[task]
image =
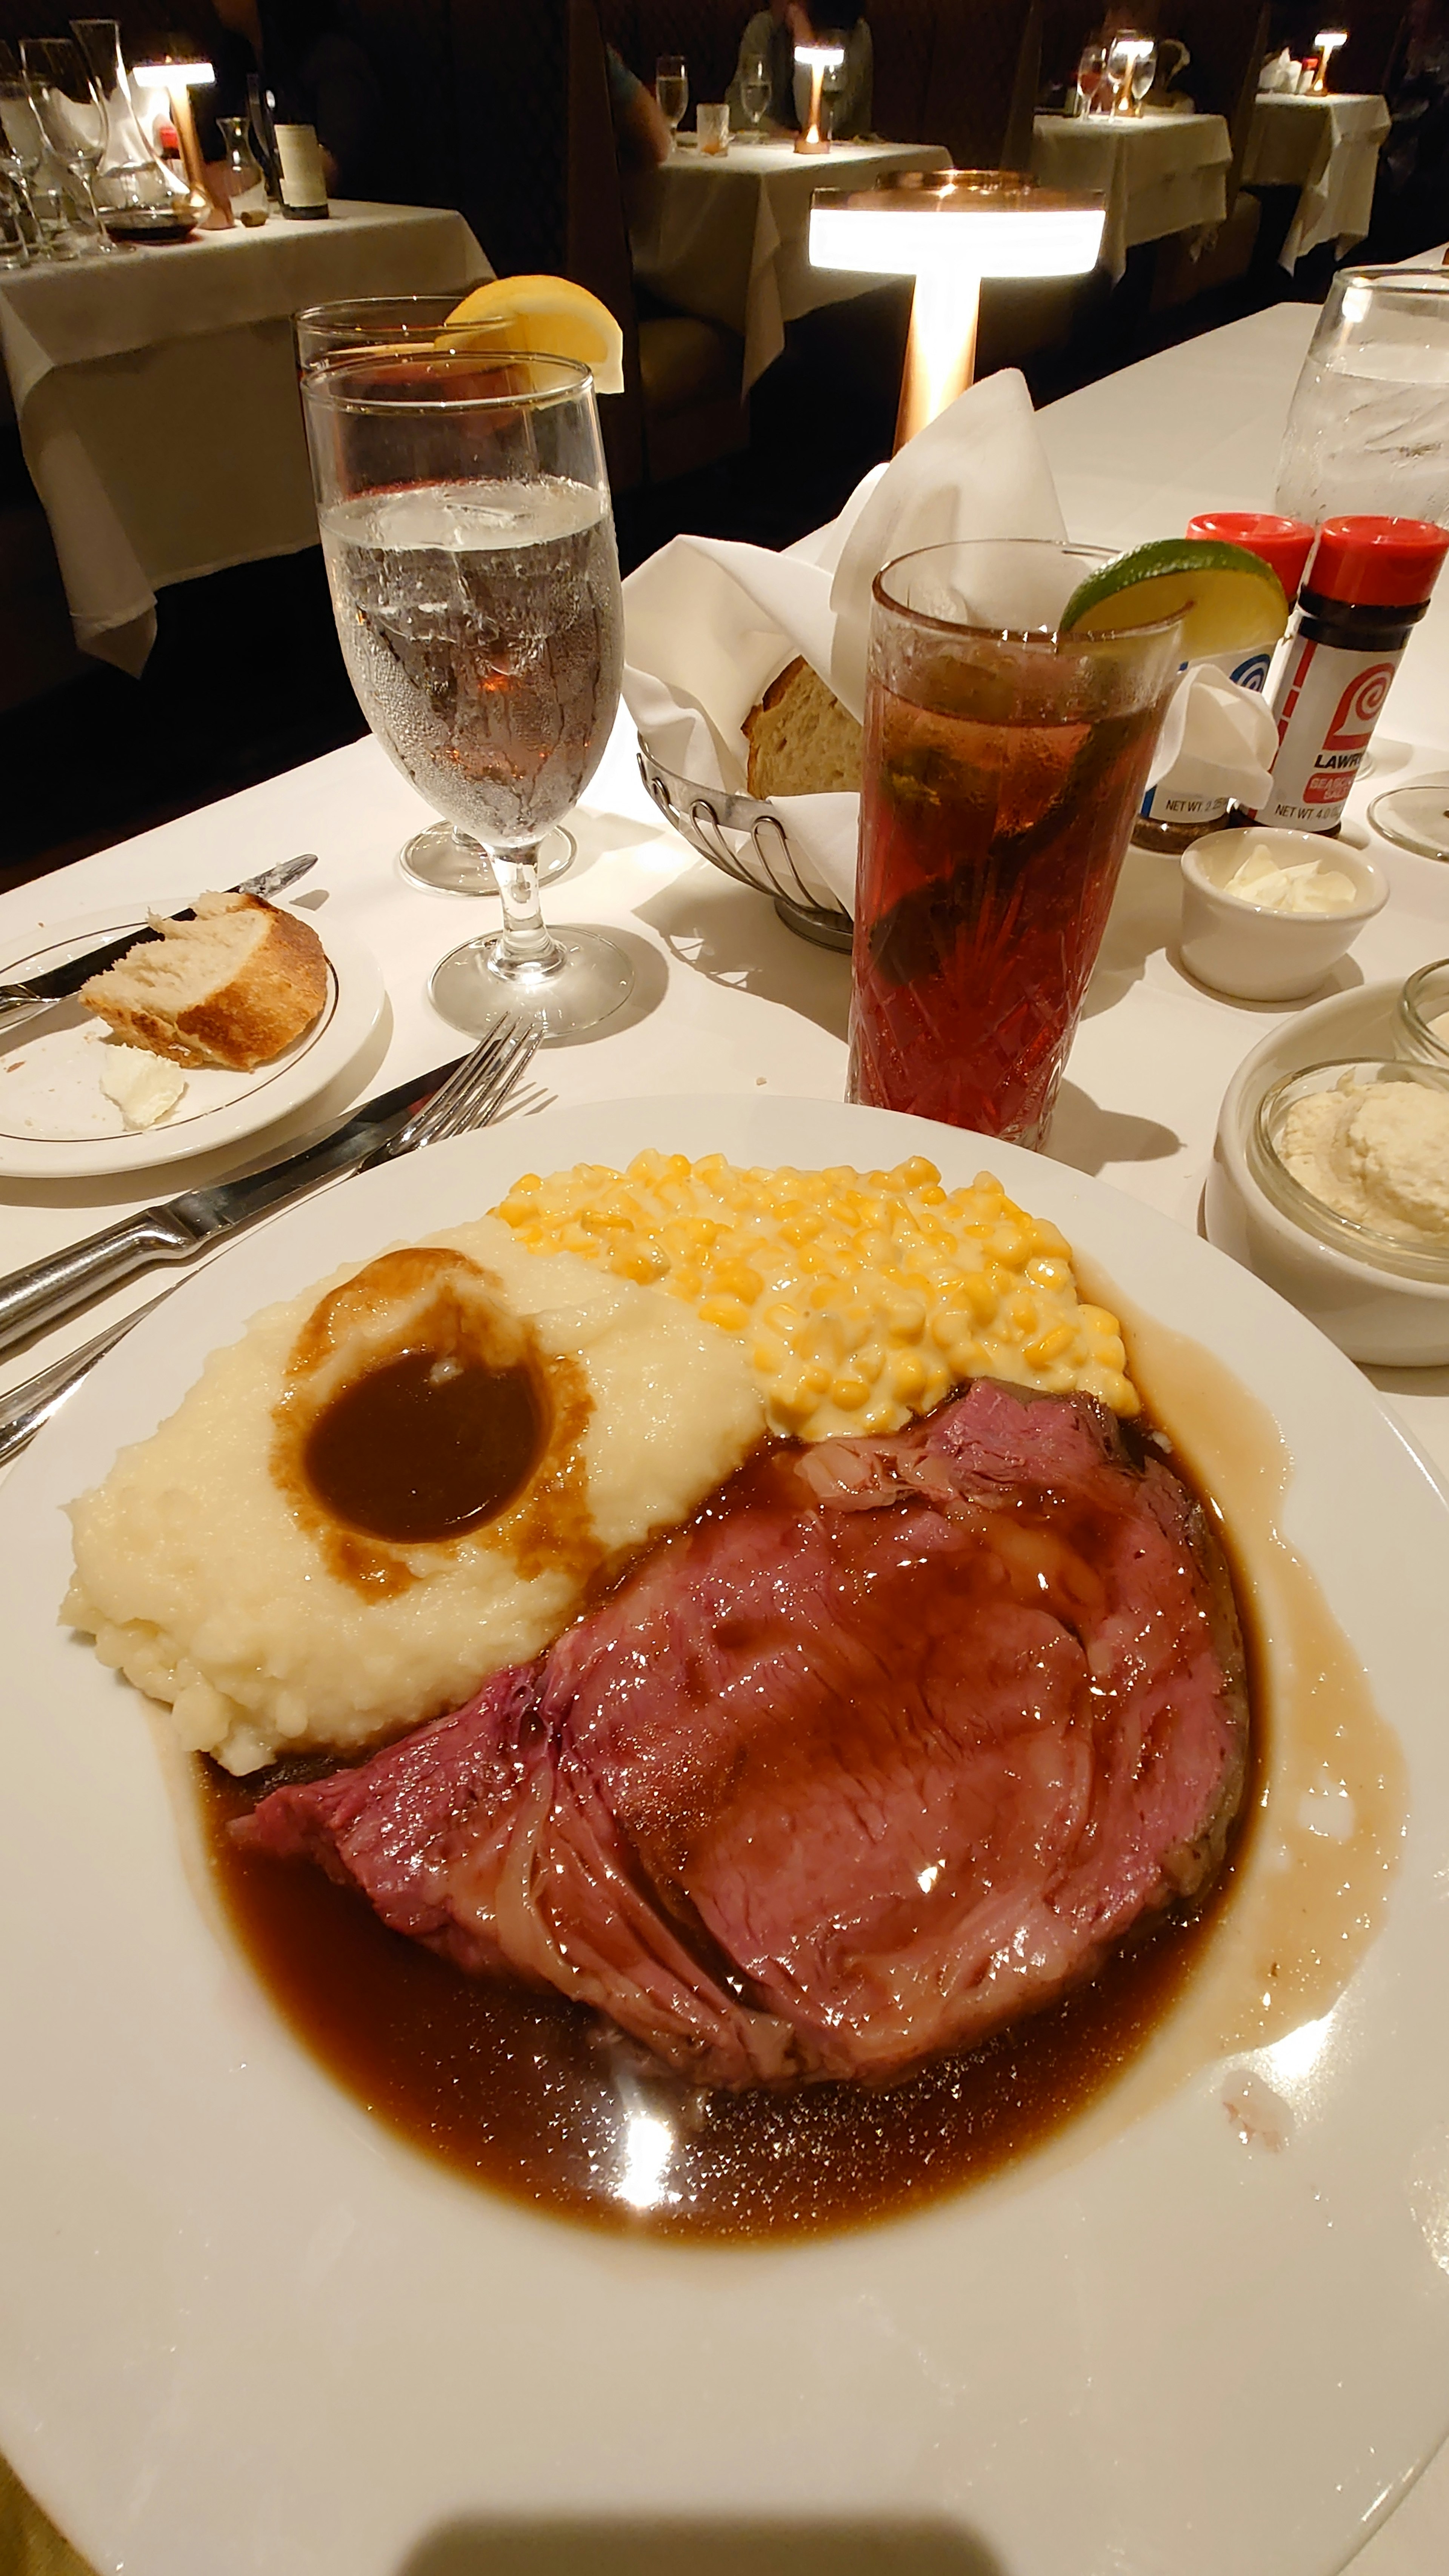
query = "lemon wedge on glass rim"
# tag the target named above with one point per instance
(1229, 600)
(548, 317)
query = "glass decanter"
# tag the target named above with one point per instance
(130, 177)
(246, 178)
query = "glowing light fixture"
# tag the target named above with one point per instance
(818, 60)
(950, 229)
(1327, 43)
(179, 79)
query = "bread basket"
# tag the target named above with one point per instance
(750, 841)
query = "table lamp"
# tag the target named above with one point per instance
(1327, 42)
(818, 60)
(179, 79)
(949, 229)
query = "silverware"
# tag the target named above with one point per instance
(472, 1096)
(175, 1230)
(20, 1002)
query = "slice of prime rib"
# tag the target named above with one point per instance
(885, 1747)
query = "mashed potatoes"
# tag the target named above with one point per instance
(857, 1298)
(213, 1573)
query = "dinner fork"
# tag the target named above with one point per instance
(472, 1095)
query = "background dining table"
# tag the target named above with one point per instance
(727, 237)
(1159, 173)
(729, 1001)
(156, 396)
(1328, 149)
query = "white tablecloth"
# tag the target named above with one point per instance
(727, 1000)
(1159, 174)
(1327, 148)
(156, 396)
(728, 238)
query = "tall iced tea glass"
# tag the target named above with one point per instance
(1003, 768)
(464, 511)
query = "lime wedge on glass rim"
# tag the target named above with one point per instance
(1228, 600)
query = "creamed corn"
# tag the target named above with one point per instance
(861, 1298)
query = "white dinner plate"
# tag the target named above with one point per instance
(245, 2330)
(56, 1123)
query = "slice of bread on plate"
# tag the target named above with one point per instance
(236, 986)
(802, 741)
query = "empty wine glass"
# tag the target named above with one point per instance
(442, 855)
(755, 89)
(73, 114)
(1144, 73)
(671, 90)
(25, 151)
(464, 513)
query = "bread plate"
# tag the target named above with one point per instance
(57, 1124)
(1175, 2344)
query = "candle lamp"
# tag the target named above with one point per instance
(179, 78)
(949, 230)
(818, 60)
(1327, 42)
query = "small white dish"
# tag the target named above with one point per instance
(56, 1123)
(1256, 954)
(1372, 1313)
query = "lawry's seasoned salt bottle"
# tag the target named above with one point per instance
(1172, 814)
(1366, 588)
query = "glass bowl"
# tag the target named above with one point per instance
(1367, 1243)
(1423, 1001)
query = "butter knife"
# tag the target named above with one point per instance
(20, 1002)
(177, 1229)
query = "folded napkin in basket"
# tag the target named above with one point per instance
(708, 624)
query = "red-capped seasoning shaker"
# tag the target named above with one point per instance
(1174, 812)
(1284, 545)
(1368, 583)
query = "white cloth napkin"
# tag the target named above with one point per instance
(708, 624)
(1217, 740)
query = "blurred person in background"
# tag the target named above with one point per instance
(772, 36)
(1411, 194)
(641, 136)
(318, 77)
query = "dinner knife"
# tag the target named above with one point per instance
(178, 1228)
(19, 1002)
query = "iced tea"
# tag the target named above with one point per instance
(1002, 773)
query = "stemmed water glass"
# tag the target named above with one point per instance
(671, 90)
(464, 513)
(755, 89)
(72, 113)
(442, 855)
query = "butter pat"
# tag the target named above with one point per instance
(145, 1088)
(1305, 885)
(1377, 1152)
